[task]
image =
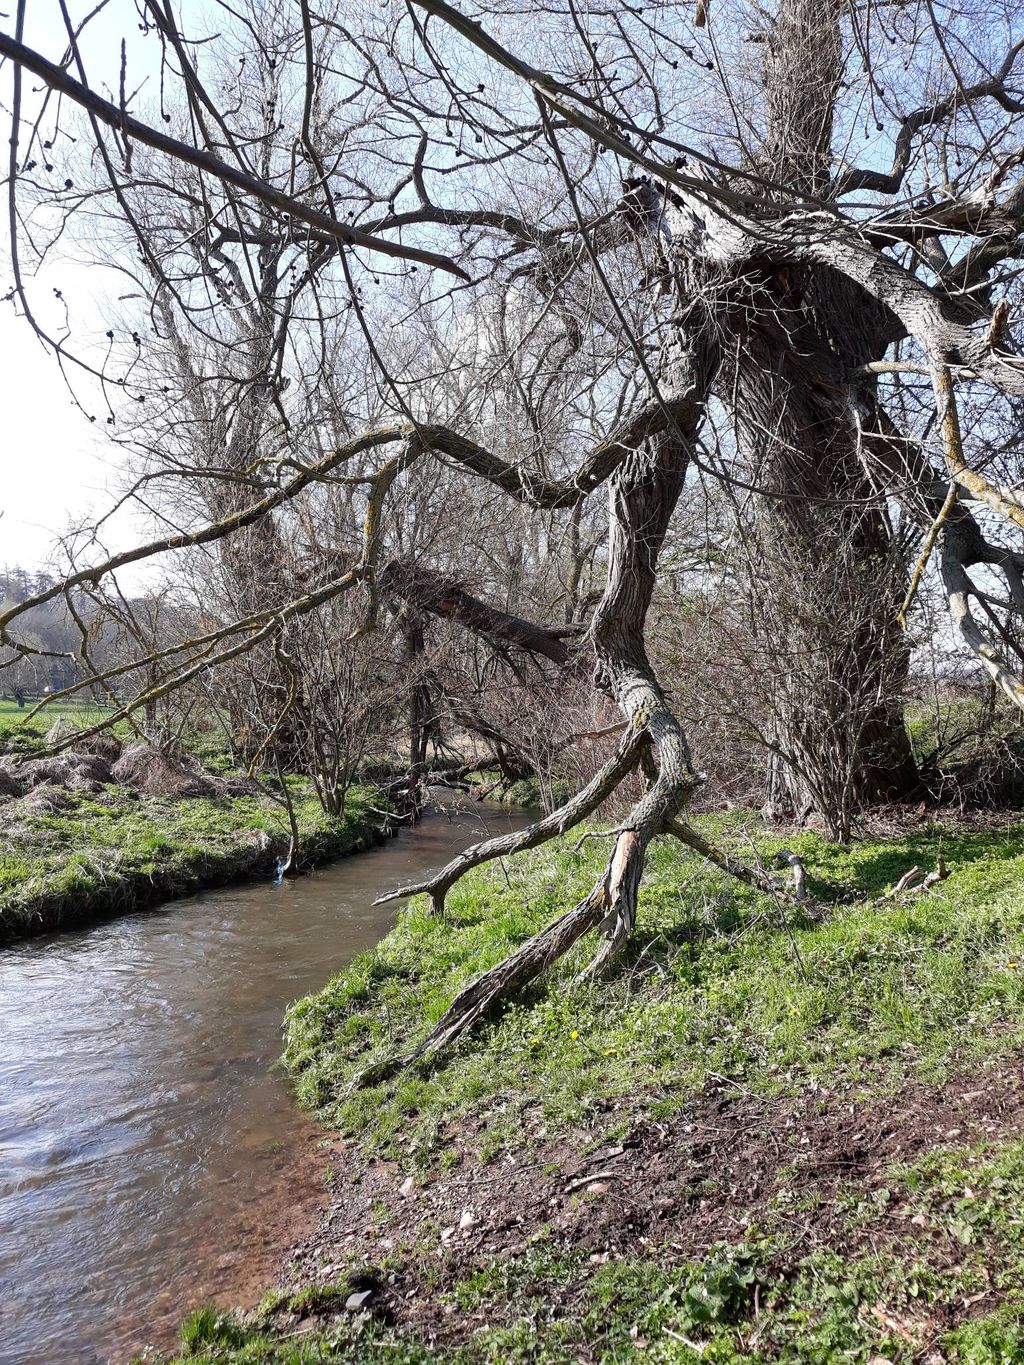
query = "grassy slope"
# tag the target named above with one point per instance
(100, 857)
(116, 851)
(715, 986)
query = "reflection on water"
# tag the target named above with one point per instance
(150, 1157)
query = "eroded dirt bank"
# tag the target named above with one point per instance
(828, 1172)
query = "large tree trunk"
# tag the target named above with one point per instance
(827, 575)
(419, 710)
(265, 702)
(227, 432)
(798, 336)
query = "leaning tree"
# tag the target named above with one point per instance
(794, 225)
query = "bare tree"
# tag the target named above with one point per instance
(676, 221)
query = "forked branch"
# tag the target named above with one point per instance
(584, 803)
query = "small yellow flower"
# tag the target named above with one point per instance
(574, 1033)
(1013, 966)
(534, 1042)
(609, 1052)
(793, 1009)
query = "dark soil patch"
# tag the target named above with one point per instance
(666, 1190)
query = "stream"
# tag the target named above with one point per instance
(152, 1157)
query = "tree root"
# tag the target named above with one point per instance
(744, 872)
(515, 972)
(919, 881)
(508, 976)
(786, 858)
(611, 905)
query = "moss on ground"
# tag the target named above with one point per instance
(717, 988)
(527, 794)
(115, 851)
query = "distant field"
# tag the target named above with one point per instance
(81, 713)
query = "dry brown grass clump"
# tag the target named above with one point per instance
(153, 773)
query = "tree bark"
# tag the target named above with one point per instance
(829, 573)
(419, 711)
(799, 335)
(445, 597)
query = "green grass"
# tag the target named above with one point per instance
(206, 1328)
(78, 713)
(713, 984)
(66, 710)
(21, 737)
(116, 851)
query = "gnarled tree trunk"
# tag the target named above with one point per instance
(798, 337)
(826, 573)
(643, 496)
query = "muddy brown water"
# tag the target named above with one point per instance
(152, 1157)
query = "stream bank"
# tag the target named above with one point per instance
(153, 1154)
(110, 826)
(757, 1138)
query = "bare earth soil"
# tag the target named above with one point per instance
(665, 1190)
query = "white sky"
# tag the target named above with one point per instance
(58, 468)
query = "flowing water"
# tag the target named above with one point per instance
(151, 1155)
